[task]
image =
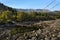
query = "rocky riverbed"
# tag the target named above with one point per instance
(47, 30)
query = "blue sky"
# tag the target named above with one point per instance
(31, 4)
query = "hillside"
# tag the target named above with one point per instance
(4, 8)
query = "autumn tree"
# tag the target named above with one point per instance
(6, 16)
(21, 16)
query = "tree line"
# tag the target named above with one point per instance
(7, 16)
